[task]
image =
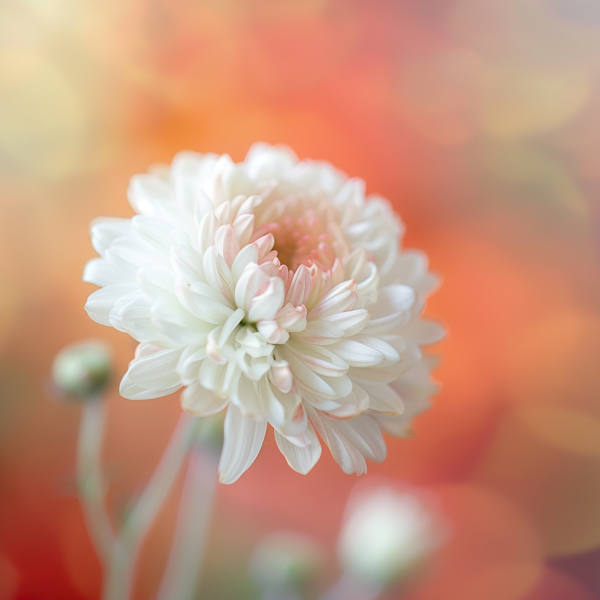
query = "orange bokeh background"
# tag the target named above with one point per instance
(478, 119)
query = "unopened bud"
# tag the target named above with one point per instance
(388, 534)
(82, 370)
(285, 560)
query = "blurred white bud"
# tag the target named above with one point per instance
(388, 534)
(82, 370)
(285, 561)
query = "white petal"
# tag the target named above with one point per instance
(341, 298)
(157, 281)
(102, 301)
(99, 272)
(243, 439)
(300, 286)
(188, 365)
(343, 452)
(423, 331)
(391, 310)
(357, 354)
(154, 231)
(178, 324)
(105, 230)
(151, 195)
(244, 228)
(301, 459)
(127, 254)
(384, 399)
(349, 322)
(199, 402)
(151, 375)
(217, 274)
(248, 254)
(266, 304)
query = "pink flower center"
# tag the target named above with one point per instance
(305, 239)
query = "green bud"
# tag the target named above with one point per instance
(82, 370)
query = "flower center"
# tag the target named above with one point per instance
(308, 237)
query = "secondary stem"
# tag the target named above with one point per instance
(89, 478)
(120, 573)
(185, 560)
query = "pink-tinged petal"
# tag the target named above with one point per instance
(274, 334)
(300, 286)
(105, 230)
(392, 309)
(99, 272)
(102, 301)
(227, 243)
(266, 303)
(199, 402)
(341, 298)
(151, 375)
(292, 318)
(300, 458)
(281, 376)
(346, 411)
(264, 244)
(243, 439)
(244, 228)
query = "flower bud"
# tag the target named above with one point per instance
(82, 370)
(285, 560)
(388, 534)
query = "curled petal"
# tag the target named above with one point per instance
(243, 438)
(199, 402)
(151, 374)
(301, 458)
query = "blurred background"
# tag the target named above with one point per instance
(478, 119)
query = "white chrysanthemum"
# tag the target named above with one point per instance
(274, 289)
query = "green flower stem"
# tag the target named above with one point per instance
(89, 478)
(120, 573)
(184, 566)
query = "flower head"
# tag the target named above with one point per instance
(274, 289)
